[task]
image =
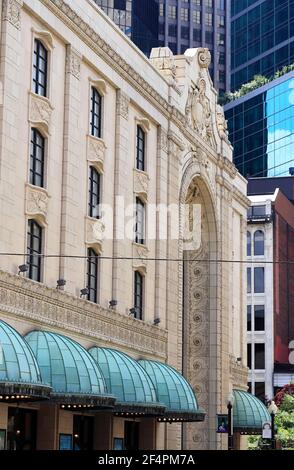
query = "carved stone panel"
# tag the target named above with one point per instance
(40, 111)
(37, 201)
(96, 152)
(12, 12)
(95, 229)
(140, 256)
(73, 63)
(122, 105)
(141, 183)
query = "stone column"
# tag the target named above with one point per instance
(70, 214)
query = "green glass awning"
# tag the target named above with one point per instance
(71, 371)
(128, 381)
(174, 391)
(20, 377)
(248, 413)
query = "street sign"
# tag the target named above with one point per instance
(266, 430)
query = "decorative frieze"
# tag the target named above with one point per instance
(96, 152)
(37, 201)
(239, 374)
(12, 12)
(46, 307)
(40, 112)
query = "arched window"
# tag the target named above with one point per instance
(34, 250)
(94, 193)
(140, 154)
(37, 158)
(96, 113)
(259, 243)
(92, 275)
(138, 295)
(248, 243)
(40, 69)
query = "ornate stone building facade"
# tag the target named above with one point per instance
(99, 95)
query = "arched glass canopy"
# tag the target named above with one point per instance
(70, 370)
(20, 377)
(249, 413)
(174, 391)
(127, 381)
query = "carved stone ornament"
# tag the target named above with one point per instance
(37, 201)
(122, 104)
(198, 111)
(73, 63)
(96, 151)
(95, 229)
(141, 183)
(222, 125)
(162, 58)
(140, 256)
(12, 12)
(40, 111)
(204, 58)
(163, 140)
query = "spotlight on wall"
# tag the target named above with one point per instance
(23, 268)
(156, 321)
(60, 283)
(133, 311)
(112, 303)
(84, 292)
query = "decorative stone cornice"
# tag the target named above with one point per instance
(11, 11)
(241, 198)
(48, 308)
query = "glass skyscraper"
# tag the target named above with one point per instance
(178, 24)
(262, 38)
(261, 127)
(138, 19)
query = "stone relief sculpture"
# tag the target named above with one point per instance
(198, 111)
(222, 125)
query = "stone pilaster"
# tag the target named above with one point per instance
(71, 216)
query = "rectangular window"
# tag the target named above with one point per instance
(249, 356)
(94, 193)
(34, 250)
(208, 19)
(138, 295)
(96, 113)
(249, 321)
(185, 33)
(196, 16)
(248, 280)
(260, 390)
(140, 157)
(92, 275)
(140, 222)
(161, 9)
(172, 12)
(221, 21)
(258, 280)
(208, 3)
(222, 58)
(37, 157)
(221, 39)
(259, 356)
(222, 76)
(40, 69)
(184, 14)
(259, 317)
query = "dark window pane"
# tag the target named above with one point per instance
(259, 317)
(138, 295)
(259, 243)
(249, 358)
(92, 275)
(259, 280)
(40, 67)
(260, 390)
(96, 113)
(248, 244)
(140, 154)
(37, 157)
(94, 192)
(259, 356)
(34, 250)
(248, 280)
(140, 222)
(249, 327)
